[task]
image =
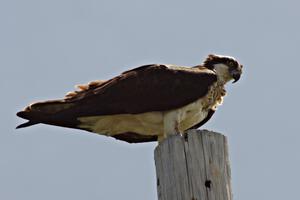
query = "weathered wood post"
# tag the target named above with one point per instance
(193, 167)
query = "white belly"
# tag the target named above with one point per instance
(149, 123)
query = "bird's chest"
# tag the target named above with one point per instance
(214, 98)
(197, 111)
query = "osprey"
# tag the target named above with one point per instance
(144, 104)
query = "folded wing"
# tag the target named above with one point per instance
(144, 89)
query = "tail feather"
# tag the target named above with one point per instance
(26, 124)
(49, 107)
(47, 112)
(29, 115)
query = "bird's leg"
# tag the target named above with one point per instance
(171, 123)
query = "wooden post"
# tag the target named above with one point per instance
(193, 167)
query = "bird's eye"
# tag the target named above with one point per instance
(231, 64)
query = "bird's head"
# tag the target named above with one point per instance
(226, 67)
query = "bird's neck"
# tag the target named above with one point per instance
(222, 73)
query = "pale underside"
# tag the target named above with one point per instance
(157, 123)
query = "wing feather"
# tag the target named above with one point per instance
(143, 89)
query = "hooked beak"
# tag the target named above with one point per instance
(236, 77)
(236, 74)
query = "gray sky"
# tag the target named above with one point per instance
(46, 47)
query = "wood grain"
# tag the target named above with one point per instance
(193, 167)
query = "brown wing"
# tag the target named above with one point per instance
(144, 89)
(150, 88)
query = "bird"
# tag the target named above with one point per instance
(144, 104)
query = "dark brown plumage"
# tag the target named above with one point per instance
(141, 90)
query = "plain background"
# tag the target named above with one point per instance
(46, 47)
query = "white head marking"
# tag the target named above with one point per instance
(222, 72)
